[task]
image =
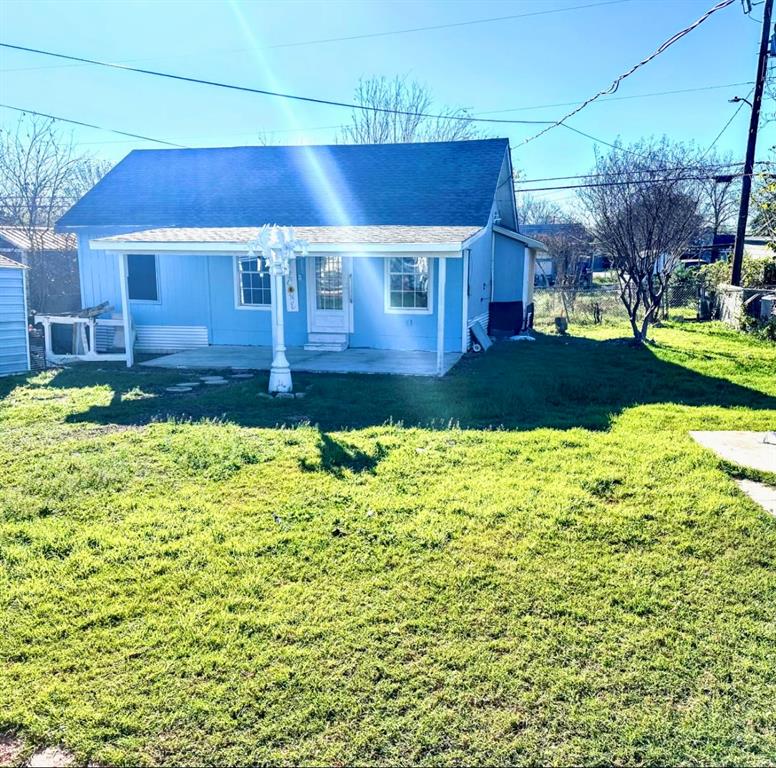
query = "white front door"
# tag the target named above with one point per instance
(329, 294)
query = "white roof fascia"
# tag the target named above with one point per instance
(450, 250)
(527, 241)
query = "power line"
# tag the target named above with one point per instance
(656, 170)
(387, 33)
(616, 82)
(625, 183)
(615, 98)
(91, 125)
(726, 126)
(447, 26)
(277, 94)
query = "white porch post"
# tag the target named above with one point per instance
(278, 247)
(440, 362)
(280, 372)
(125, 316)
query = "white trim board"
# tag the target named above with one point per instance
(450, 250)
(524, 239)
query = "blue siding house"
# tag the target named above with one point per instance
(14, 341)
(409, 245)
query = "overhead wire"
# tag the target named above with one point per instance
(616, 82)
(384, 33)
(277, 94)
(91, 125)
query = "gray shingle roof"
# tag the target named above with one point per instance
(429, 184)
(317, 235)
(5, 262)
(44, 238)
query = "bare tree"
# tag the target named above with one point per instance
(538, 210)
(41, 176)
(720, 193)
(645, 209)
(569, 245)
(408, 103)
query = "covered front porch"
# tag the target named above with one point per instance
(351, 360)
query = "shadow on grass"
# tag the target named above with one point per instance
(336, 457)
(557, 382)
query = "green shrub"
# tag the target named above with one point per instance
(754, 273)
(763, 329)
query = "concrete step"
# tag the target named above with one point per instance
(327, 338)
(320, 346)
(326, 342)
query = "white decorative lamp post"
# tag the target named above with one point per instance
(278, 246)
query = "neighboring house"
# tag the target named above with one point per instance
(758, 247)
(409, 245)
(14, 341)
(565, 235)
(52, 282)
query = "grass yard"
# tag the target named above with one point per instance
(528, 561)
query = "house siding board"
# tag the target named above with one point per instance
(13, 322)
(480, 278)
(230, 325)
(377, 329)
(509, 267)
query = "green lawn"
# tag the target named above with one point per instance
(528, 561)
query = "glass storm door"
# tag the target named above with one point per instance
(330, 305)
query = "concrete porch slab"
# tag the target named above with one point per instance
(747, 449)
(313, 361)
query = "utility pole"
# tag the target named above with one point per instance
(746, 181)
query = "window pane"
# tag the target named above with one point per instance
(254, 285)
(328, 282)
(141, 277)
(408, 282)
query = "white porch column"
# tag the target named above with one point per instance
(441, 316)
(280, 372)
(125, 315)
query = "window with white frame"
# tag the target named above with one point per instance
(253, 284)
(408, 284)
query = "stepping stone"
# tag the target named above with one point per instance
(242, 376)
(178, 389)
(285, 395)
(208, 382)
(51, 757)
(188, 384)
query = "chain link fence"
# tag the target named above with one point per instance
(602, 304)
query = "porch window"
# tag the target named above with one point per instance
(142, 277)
(253, 285)
(408, 284)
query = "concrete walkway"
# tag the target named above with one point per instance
(347, 361)
(748, 449)
(754, 450)
(763, 494)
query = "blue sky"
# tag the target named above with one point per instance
(518, 63)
